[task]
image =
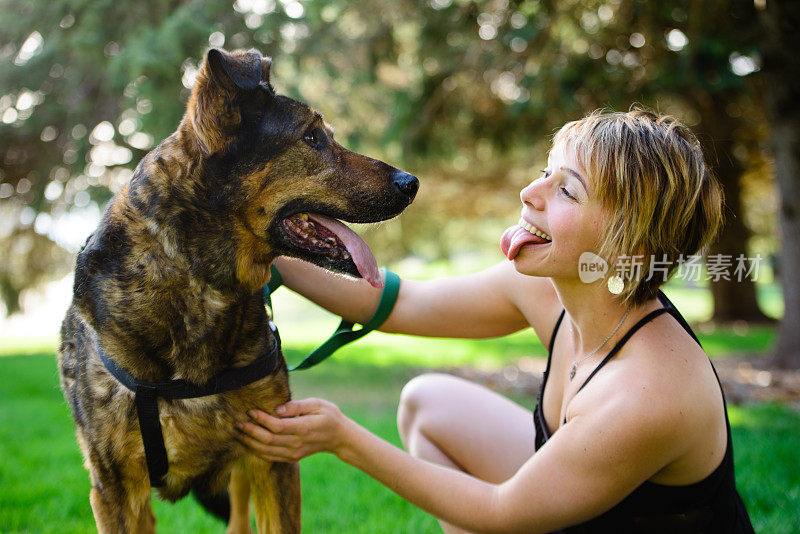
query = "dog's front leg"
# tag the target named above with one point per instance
(239, 491)
(276, 496)
(115, 513)
(120, 495)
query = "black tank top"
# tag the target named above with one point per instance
(710, 505)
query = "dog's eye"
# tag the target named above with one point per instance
(314, 137)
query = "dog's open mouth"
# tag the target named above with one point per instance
(329, 237)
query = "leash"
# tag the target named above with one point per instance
(345, 332)
(146, 396)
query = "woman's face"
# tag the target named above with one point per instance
(560, 203)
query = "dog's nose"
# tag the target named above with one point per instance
(406, 184)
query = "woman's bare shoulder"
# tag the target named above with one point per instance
(664, 361)
(663, 378)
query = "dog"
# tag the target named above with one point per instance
(168, 287)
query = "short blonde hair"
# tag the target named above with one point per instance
(649, 174)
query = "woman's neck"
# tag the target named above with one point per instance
(593, 313)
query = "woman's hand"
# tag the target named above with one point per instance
(302, 428)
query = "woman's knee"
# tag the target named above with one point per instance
(421, 396)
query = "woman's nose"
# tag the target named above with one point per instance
(532, 194)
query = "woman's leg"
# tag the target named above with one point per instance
(465, 426)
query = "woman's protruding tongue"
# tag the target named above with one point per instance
(359, 251)
(513, 239)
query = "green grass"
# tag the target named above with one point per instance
(44, 488)
(766, 440)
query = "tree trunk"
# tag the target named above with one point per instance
(734, 299)
(782, 76)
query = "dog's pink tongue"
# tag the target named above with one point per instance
(359, 251)
(513, 239)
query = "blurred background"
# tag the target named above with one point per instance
(464, 94)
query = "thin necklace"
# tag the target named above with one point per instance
(576, 362)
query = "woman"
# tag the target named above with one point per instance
(630, 432)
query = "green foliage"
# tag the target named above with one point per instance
(463, 93)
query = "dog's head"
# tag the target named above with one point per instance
(271, 165)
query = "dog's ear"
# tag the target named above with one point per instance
(266, 63)
(224, 79)
(242, 70)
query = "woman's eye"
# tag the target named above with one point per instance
(545, 173)
(567, 193)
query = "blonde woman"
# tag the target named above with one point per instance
(630, 432)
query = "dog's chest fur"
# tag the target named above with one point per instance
(140, 294)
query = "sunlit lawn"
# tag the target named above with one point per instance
(44, 488)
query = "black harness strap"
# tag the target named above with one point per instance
(155, 451)
(147, 394)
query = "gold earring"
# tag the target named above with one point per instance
(616, 284)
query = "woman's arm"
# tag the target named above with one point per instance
(471, 306)
(586, 467)
(322, 427)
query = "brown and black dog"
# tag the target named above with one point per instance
(169, 286)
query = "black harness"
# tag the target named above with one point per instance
(147, 394)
